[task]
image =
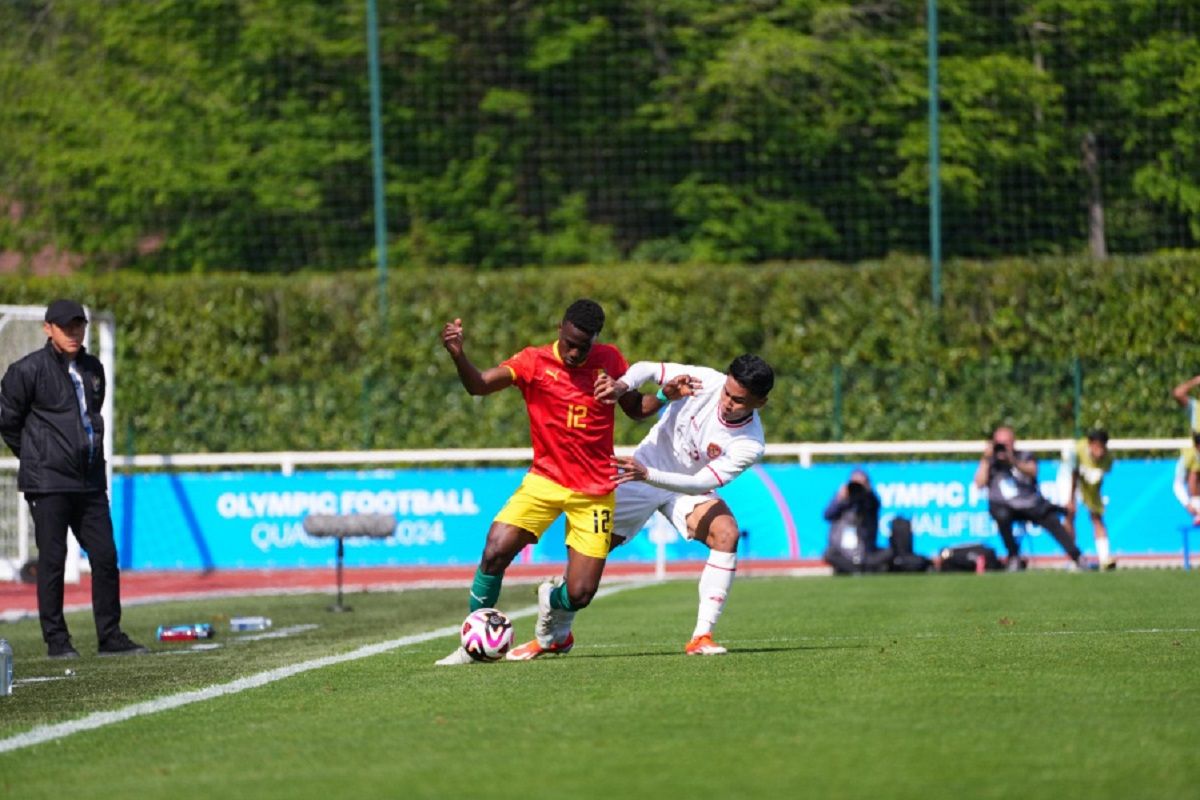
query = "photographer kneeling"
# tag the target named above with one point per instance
(1010, 476)
(854, 516)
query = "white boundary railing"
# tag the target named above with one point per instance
(804, 452)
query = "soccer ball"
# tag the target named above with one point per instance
(487, 634)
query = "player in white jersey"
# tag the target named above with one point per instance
(710, 434)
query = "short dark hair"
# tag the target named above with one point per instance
(753, 373)
(1098, 435)
(587, 315)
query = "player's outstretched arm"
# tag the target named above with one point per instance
(627, 469)
(715, 474)
(1183, 390)
(664, 372)
(476, 382)
(639, 406)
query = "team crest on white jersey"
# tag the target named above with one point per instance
(714, 450)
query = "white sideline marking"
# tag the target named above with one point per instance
(100, 719)
(279, 633)
(205, 647)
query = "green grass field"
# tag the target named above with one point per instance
(1033, 685)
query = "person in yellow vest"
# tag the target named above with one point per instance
(1089, 461)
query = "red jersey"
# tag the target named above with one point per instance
(571, 431)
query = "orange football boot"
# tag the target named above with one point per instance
(534, 649)
(704, 645)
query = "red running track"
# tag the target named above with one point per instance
(20, 599)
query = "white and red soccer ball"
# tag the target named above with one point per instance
(487, 634)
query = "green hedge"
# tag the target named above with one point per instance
(236, 362)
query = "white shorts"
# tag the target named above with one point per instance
(637, 501)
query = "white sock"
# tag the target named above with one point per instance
(1102, 550)
(715, 581)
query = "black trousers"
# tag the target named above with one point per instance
(87, 515)
(1045, 516)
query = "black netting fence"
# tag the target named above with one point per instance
(236, 134)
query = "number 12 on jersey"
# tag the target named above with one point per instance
(576, 416)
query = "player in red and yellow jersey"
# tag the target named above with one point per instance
(572, 436)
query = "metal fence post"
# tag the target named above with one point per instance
(1077, 375)
(377, 160)
(837, 402)
(935, 187)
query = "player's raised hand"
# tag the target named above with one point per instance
(682, 386)
(452, 337)
(626, 469)
(608, 390)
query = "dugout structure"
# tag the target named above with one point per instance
(21, 333)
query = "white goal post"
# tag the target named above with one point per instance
(21, 333)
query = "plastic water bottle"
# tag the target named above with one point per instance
(249, 623)
(178, 633)
(6, 667)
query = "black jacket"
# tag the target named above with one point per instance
(41, 423)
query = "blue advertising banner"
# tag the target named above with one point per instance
(254, 519)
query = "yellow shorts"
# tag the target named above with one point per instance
(1090, 494)
(539, 501)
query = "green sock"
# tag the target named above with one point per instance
(485, 590)
(559, 598)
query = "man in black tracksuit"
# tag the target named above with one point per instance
(50, 417)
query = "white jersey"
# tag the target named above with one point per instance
(691, 449)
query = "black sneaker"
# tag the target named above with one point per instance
(61, 650)
(122, 645)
